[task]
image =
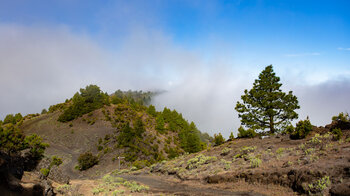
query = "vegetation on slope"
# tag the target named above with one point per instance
(142, 135)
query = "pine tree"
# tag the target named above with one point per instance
(265, 105)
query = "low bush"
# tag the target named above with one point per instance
(249, 133)
(55, 161)
(225, 151)
(218, 139)
(319, 186)
(337, 133)
(343, 117)
(199, 160)
(86, 161)
(302, 129)
(255, 162)
(44, 171)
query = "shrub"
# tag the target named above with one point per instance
(343, 117)
(218, 139)
(337, 133)
(280, 151)
(231, 138)
(37, 147)
(255, 162)
(302, 129)
(249, 133)
(56, 161)
(199, 160)
(289, 129)
(44, 171)
(86, 161)
(88, 100)
(227, 164)
(44, 111)
(320, 185)
(225, 151)
(10, 118)
(139, 164)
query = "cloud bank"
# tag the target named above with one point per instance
(41, 66)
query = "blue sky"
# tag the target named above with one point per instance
(207, 47)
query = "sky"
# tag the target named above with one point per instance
(202, 53)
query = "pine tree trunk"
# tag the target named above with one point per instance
(272, 130)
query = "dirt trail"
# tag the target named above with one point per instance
(159, 184)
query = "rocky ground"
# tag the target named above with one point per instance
(276, 165)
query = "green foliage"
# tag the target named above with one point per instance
(231, 138)
(218, 139)
(44, 111)
(36, 146)
(199, 160)
(55, 161)
(265, 105)
(160, 124)
(225, 151)
(337, 133)
(135, 187)
(152, 111)
(289, 129)
(11, 139)
(320, 185)
(88, 100)
(249, 133)
(44, 171)
(280, 151)
(128, 135)
(132, 97)
(255, 162)
(227, 164)
(343, 117)
(247, 149)
(139, 164)
(302, 129)
(56, 107)
(86, 161)
(14, 119)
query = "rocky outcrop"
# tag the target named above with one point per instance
(57, 175)
(12, 168)
(338, 124)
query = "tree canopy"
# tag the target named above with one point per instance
(265, 105)
(88, 100)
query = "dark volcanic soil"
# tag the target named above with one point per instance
(159, 185)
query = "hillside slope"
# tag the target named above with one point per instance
(277, 165)
(120, 127)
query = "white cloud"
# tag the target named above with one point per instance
(303, 54)
(41, 66)
(348, 49)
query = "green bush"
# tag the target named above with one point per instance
(44, 111)
(249, 133)
(231, 138)
(86, 161)
(88, 100)
(10, 118)
(37, 147)
(255, 162)
(289, 129)
(139, 164)
(337, 133)
(302, 129)
(44, 171)
(218, 139)
(343, 117)
(55, 161)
